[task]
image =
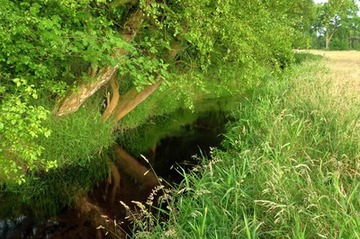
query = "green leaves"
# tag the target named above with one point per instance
(337, 19)
(21, 124)
(146, 71)
(41, 40)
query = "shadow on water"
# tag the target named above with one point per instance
(168, 142)
(184, 151)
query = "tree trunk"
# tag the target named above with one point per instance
(131, 99)
(327, 40)
(111, 104)
(117, 107)
(92, 212)
(86, 89)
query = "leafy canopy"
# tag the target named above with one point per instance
(199, 49)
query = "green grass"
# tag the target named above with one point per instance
(290, 168)
(76, 145)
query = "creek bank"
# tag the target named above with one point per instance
(169, 144)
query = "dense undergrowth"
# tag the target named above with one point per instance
(290, 168)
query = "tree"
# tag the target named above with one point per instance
(354, 32)
(333, 15)
(299, 14)
(74, 74)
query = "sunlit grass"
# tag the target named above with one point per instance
(291, 168)
(345, 72)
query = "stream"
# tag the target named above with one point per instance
(170, 144)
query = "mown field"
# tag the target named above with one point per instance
(290, 168)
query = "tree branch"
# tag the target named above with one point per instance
(132, 99)
(86, 89)
(114, 100)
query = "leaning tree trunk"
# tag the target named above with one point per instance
(117, 107)
(86, 89)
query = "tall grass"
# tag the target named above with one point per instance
(290, 168)
(76, 145)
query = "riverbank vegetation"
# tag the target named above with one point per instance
(82, 80)
(290, 168)
(77, 75)
(74, 74)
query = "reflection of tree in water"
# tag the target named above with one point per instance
(187, 134)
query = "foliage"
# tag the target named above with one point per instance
(299, 14)
(71, 163)
(200, 50)
(290, 168)
(49, 45)
(337, 19)
(42, 40)
(44, 195)
(20, 128)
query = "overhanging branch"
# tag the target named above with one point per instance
(86, 89)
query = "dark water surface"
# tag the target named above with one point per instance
(171, 143)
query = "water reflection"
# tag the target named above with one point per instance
(168, 142)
